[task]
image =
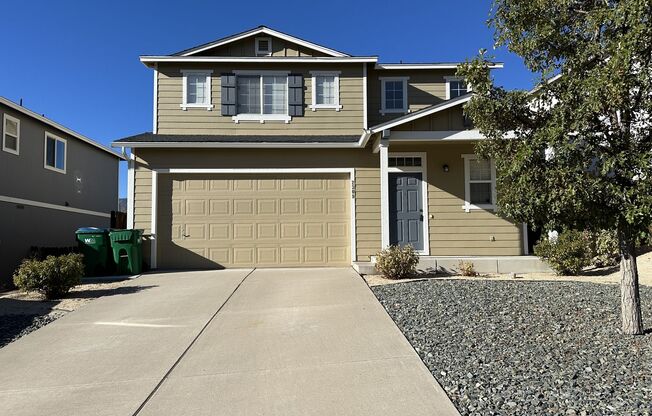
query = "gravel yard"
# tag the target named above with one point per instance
(527, 347)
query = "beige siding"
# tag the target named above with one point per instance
(367, 212)
(363, 161)
(247, 47)
(425, 88)
(451, 119)
(454, 232)
(173, 120)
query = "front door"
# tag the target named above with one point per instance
(406, 209)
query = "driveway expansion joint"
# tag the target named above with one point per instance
(183, 354)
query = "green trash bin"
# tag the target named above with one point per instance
(95, 246)
(127, 250)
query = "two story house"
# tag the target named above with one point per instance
(269, 150)
(54, 181)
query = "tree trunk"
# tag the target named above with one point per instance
(630, 299)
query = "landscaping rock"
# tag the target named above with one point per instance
(527, 347)
(13, 327)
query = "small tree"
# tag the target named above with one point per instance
(577, 152)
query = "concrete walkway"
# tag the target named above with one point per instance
(233, 342)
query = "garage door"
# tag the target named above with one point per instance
(257, 220)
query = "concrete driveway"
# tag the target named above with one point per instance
(232, 342)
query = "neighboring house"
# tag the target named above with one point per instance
(54, 182)
(268, 150)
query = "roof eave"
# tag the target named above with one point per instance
(151, 60)
(421, 113)
(58, 126)
(434, 65)
(234, 145)
(258, 30)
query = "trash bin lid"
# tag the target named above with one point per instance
(91, 230)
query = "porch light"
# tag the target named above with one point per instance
(445, 167)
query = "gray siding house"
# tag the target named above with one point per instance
(54, 181)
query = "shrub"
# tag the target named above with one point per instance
(396, 262)
(466, 268)
(568, 254)
(604, 248)
(53, 277)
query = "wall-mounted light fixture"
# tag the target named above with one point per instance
(445, 168)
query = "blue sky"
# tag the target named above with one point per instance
(77, 61)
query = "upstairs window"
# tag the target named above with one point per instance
(480, 183)
(326, 90)
(394, 95)
(11, 134)
(262, 95)
(455, 87)
(197, 89)
(263, 46)
(55, 153)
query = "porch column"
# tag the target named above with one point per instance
(153, 237)
(384, 193)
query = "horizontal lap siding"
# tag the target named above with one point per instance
(173, 120)
(425, 88)
(364, 162)
(454, 232)
(367, 212)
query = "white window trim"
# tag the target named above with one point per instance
(448, 85)
(262, 118)
(336, 106)
(267, 52)
(405, 108)
(45, 153)
(208, 73)
(468, 206)
(423, 170)
(4, 133)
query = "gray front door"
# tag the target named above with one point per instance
(405, 209)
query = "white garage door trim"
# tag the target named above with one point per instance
(155, 173)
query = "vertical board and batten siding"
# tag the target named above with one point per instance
(454, 232)
(247, 47)
(172, 119)
(364, 162)
(425, 88)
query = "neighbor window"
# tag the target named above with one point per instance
(456, 87)
(55, 153)
(10, 134)
(394, 95)
(480, 183)
(325, 90)
(262, 94)
(196, 89)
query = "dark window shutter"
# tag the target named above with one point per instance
(295, 95)
(228, 94)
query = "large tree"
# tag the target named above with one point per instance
(575, 153)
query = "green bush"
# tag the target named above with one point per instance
(53, 277)
(604, 248)
(568, 254)
(396, 262)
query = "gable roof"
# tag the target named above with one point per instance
(421, 113)
(257, 31)
(58, 126)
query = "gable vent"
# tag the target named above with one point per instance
(263, 46)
